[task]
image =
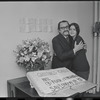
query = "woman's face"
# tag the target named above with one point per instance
(72, 31)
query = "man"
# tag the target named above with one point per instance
(62, 46)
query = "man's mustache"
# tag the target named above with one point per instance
(66, 31)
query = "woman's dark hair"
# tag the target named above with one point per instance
(62, 22)
(76, 26)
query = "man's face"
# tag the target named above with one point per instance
(64, 28)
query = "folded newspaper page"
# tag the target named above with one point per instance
(59, 82)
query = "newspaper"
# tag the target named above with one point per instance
(60, 82)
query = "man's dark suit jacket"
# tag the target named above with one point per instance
(63, 53)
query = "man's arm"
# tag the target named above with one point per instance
(60, 53)
(64, 55)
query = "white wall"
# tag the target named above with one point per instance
(11, 12)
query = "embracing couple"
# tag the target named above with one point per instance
(70, 49)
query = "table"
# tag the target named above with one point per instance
(20, 87)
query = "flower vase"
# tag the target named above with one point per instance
(34, 69)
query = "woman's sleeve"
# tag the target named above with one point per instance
(85, 47)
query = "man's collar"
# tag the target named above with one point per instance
(65, 36)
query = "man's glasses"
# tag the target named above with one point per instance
(67, 27)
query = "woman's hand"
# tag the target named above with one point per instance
(78, 47)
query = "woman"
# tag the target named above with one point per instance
(80, 64)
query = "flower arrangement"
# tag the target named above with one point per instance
(33, 54)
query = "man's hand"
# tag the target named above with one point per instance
(85, 46)
(78, 47)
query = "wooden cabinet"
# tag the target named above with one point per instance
(20, 87)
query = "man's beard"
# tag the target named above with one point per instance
(67, 33)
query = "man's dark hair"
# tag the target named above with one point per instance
(76, 27)
(62, 22)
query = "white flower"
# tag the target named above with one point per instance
(26, 58)
(21, 59)
(46, 50)
(30, 48)
(34, 54)
(44, 57)
(34, 58)
(40, 54)
(22, 53)
(25, 52)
